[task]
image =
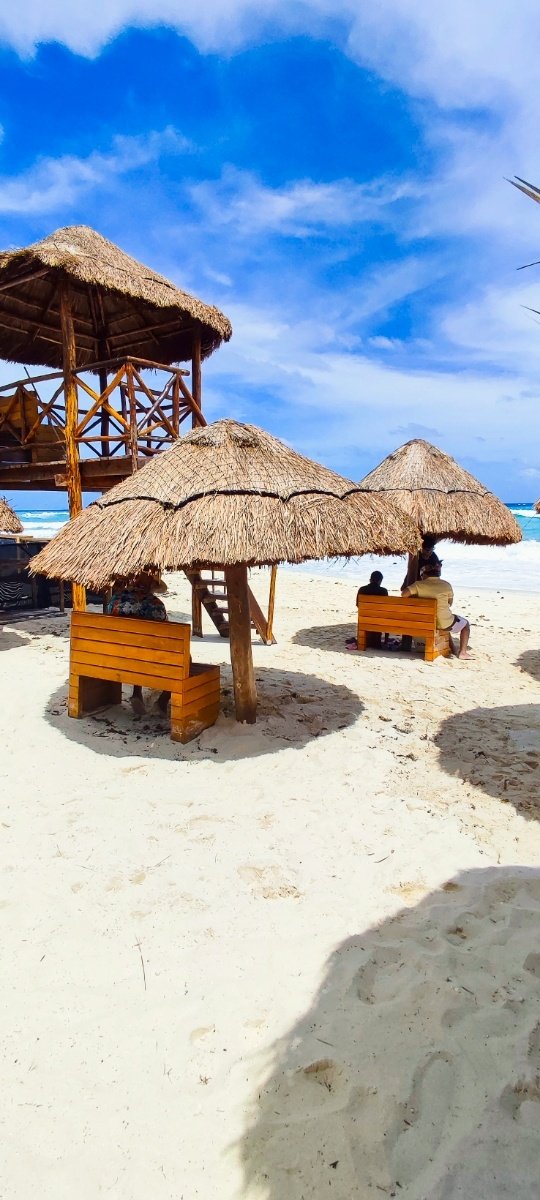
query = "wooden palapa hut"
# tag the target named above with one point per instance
(9, 521)
(77, 303)
(228, 496)
(442, 498)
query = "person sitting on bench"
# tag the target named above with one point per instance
(373, 588)
(431, 586)
(135, 598)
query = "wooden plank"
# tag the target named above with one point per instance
(200, 673)
(135, 626)
(389, 625)
(205, 691)
(125, 663)
(125, 644)
(170, 657)
(124, 673)
(197, 706)
(395, 604)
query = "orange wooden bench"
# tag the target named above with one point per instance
(108, 651)
(402, 615)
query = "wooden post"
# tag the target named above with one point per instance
(176, 406)
(196, 383)
(196, 611)
(104, 419)
(271, 604)
(412, 570)
(245, 692)
(73, 470)
(133, 441)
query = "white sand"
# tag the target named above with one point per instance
(321, 1014)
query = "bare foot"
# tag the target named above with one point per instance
(464, 654)
(137, 705)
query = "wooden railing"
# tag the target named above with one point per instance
(128, 413)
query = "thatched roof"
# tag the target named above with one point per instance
(224, 495)
(537, 506)
(9, 521)
(441, 497)
(115, 300)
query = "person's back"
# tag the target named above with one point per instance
(434, 588)
(373, 588)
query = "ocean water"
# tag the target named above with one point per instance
(514, 568)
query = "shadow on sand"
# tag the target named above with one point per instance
(334, 637)
(294, 709)
(415, 1072)
(10, 639)
(496, 750)
(529, 662)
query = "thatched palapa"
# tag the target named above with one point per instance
(441, 497)
(230, 496)
(9, 521)
(223, 495)
(118, 305)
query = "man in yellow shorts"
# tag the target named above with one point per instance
(432, 587)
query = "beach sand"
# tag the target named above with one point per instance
(295, 960)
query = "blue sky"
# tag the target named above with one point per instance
(329, 173)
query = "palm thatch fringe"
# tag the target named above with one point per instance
(441, 497)
(9, 521)
(115, 299)
(224, 495)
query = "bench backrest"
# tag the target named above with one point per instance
(397, 614)
(127, 649)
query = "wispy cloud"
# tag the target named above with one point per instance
(298, 209)
(54, 184)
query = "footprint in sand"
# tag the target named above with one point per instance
(269, 883)
(374, 981)
(420, 1127)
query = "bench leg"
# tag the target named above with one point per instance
(430, 652)
(361, 639)
(87, 695)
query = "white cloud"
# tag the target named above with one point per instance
(298, 209)
(371, 402)
(56, 183)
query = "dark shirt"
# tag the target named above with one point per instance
(371, 589)
(428, 558)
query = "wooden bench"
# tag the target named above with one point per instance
(108, 651)
(404, 615)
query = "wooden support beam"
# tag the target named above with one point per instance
(73, 472)
(196, 382)
(245, 691)
(11, 283)
(271, 605)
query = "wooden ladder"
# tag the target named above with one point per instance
(209, 591)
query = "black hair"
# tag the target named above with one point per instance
(428, 541)
(376, 577)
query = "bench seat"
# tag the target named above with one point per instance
(107, 651)
(405, 615)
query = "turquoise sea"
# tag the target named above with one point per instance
(46, 522)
